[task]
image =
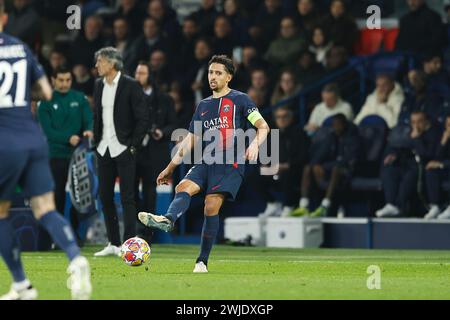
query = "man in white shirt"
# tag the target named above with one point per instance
(331, 105)
(386, 101)
(120, 123)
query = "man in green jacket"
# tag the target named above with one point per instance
(65, 119)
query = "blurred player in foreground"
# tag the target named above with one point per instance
(227, 110)
(24, 162)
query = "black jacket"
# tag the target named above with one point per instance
(162, 116)
(421, 31)
(131, 115)
(344, 150)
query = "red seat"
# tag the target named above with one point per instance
(370, 41)
(390, 37)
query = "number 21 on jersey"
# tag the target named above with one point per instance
(9, 99)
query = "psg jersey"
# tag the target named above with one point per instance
(227, 115)
(19, 69)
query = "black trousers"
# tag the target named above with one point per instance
(399, 183)
(60, 170)
(124, 167)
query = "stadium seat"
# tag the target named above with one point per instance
(386, 64)
(370, 41)
(390, 37)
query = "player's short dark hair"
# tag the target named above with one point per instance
(225, 61)
(59, 70)
(332, 88)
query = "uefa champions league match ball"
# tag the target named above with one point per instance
(135, 252)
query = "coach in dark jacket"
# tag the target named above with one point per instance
(120, 123)
(154, 154)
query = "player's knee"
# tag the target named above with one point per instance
(42, 205)
(212, 205)
(186, 186)
(4, 209)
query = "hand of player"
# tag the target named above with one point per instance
(74, 140)
(434, 165)
(163, 177)
(389, 159)
(252, 152)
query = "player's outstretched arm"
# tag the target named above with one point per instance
(263, 130)
(184, 148)
(42, 90)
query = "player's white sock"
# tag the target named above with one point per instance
(304, 203)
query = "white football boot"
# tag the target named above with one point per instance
(109, 250)
(433, 213)
(200, 267)
(23, 291)
(445, 214)
(79, 281)
(388, 210)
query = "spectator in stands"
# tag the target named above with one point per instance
(331, 105)
(160, 70)
(83, 81)
(88, 42)
(341, 26)
(306, 16)
(241, 80)
(438, 77)
(239, 23)
(421, 30)
(320, 44)
(386, 101)
(400, 169)
(186, 47)
(56, 59)
(332, 162)
(223, 37)
(182, 109)
(134, 13)
(196, 83)
(437, 171)
(122, 40)
(65, 120)
(260, 82)
(284, 50)
(151, 40)
(286, 87)
(266, 24)
(259, 98)
(205, 17)
(166, 18)
(24, 23)
(293, 148)
(307, 69)
(337, 59)
(419, 98)
(154, 154)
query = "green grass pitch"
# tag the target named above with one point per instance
(248, 273)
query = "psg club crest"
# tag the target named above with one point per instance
(226, 108)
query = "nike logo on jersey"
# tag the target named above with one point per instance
(203, 113)
(216, 187)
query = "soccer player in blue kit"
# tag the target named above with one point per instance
(226, 110)
(24, 162)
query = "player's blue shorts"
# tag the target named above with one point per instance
(28, 169)
(217, 178)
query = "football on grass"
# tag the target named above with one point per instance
(135, 252)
